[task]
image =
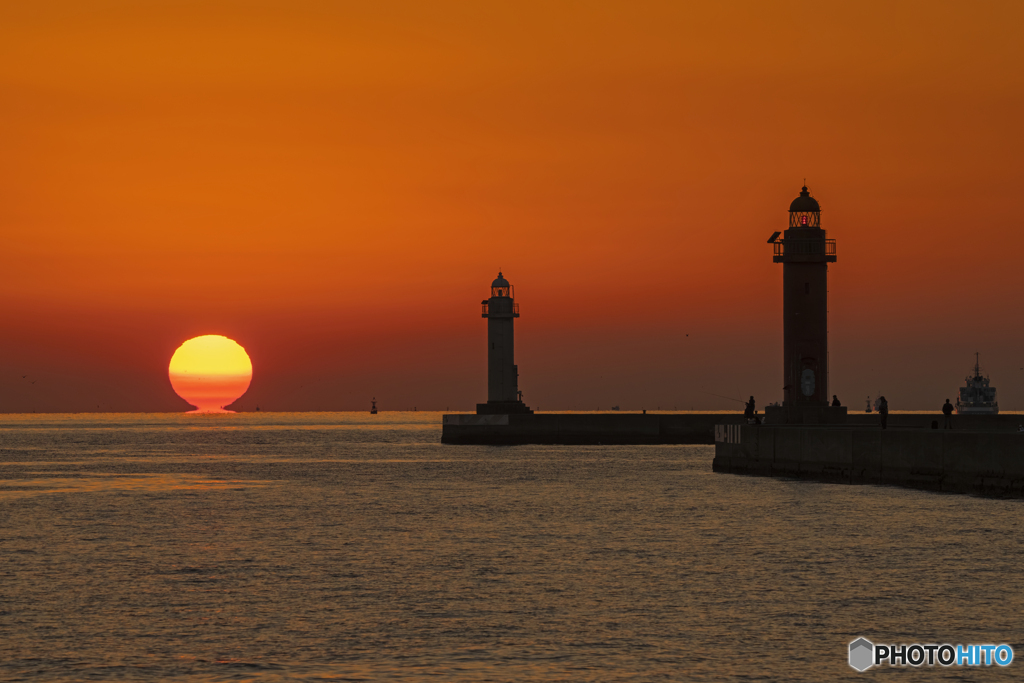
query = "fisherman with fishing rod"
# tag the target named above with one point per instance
(749, 408)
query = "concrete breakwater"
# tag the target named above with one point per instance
(655, 428)
(585, 428)
(981, 461)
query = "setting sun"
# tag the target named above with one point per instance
(210, 372)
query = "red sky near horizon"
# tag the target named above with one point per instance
(334, 187)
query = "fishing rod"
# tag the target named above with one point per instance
(728, 398)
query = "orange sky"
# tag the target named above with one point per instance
(335, 186)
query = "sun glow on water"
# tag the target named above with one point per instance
(210, 372)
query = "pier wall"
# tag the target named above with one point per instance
(659, 428)
(584, 428)
(956, 461)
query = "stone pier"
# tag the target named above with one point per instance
(987, 461)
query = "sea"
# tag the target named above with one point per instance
(357, 547)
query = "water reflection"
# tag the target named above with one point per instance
(59, 482)
(297, 547)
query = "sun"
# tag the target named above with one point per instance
(210, 372)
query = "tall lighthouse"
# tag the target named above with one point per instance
(805, 252)
(501, 310)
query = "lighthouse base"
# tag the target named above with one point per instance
(503, 408)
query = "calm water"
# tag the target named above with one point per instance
(350, 547)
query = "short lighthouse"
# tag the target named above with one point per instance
(501, 310)
(805, 252)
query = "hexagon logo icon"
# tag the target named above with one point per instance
(862, 654)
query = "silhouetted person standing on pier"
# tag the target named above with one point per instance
(749, 410)
(835, 401)
(947, 415)
(883, 410)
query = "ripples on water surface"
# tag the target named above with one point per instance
(345, 546)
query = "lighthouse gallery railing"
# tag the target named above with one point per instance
(804, 247)
(484, 310)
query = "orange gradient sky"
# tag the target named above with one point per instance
(334, 187)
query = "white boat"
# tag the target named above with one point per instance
(977, 398)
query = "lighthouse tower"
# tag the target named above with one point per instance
(805, 252)
(501, 310)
